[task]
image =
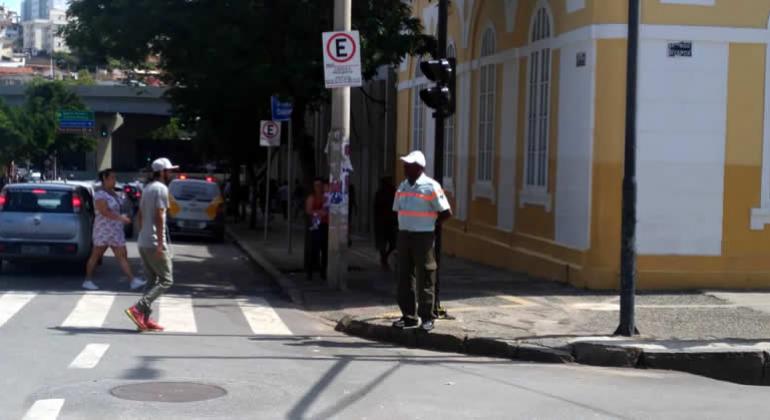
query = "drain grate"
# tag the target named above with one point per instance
(170, 392)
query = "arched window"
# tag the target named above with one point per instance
(418, 112)
(539, 103)
(449, 132)
(487, 83)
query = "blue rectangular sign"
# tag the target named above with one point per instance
(76, 124)
(281, 110)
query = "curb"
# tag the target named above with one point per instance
(285, 283)
(747, 367)
(452, 343)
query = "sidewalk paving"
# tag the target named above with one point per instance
(725, 335)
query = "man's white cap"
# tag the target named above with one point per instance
(163, 164)
(414, 157)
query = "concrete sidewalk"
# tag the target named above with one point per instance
(497, 313)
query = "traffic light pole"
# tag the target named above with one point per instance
(438, 168)
(627, 325)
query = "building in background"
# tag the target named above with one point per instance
(42, 20)
(534, 156)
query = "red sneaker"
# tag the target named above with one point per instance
(138, 318)
(152, 325)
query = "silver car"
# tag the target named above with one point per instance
(46, 221)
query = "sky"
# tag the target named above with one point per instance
(14, 5)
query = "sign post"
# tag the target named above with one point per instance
(269, 136)
(282, 112)
(342, 70)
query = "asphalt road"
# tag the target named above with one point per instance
(68, 354)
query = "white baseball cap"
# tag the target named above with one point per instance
(414, 157)
(163, 164)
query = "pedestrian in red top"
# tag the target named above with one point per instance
(317, 211)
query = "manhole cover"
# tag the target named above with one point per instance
(171, 392)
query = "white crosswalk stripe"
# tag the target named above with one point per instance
(90, 356)
(262, 318)
(44, 410)
(91, 311)
(11, 303)
(176, 314)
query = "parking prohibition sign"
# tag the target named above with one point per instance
(270, 134)
(342, 59)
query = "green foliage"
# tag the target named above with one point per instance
(224, 58)
(30, 131)
(171, 131)
(85, 78)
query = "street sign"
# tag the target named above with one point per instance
(342, 59)
(281, 110)
(76, 120)
(270, 134)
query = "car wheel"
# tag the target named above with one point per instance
(219, 237)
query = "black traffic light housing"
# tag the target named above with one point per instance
(104, 132)
(441, 96)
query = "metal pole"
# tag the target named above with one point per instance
(266, 215)
(290, 177)
(340, 132)
(627, 325)
(385, 155)
(438, 167)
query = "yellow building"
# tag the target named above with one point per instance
(534, 155)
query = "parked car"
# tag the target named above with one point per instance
(46, 222)
(196, 208)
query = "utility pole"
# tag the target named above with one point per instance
(340, 133)
(627, 325)
(438, 167)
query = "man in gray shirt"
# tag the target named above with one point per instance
(153, 244)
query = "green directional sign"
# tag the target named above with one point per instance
(76, 116)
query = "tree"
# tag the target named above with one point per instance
(224, 59)
(36, 122)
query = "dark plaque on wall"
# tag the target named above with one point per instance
(581, 59)
(680, 49)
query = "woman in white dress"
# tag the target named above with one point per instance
(108, 231)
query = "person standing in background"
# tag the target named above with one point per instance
(385, 220)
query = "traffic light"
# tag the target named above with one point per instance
(103, 132)
(441, 96)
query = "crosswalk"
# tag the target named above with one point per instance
(176, 313)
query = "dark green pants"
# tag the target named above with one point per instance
(159, 273)
(416, 274)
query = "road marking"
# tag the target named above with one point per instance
(91, 311)
(177, 315)
(90, 356)
(262, 318)
(10, 303)
(44, 410)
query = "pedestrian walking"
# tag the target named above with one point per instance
(317, 211)
(385, 220)
(108, 231)
(421, 204)
(154, 247)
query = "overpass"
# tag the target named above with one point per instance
(143, 109)
(107, 99)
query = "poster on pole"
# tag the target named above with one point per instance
(342, 59)
(270, 133)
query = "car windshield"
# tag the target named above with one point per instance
(193, 190)
(39, 200)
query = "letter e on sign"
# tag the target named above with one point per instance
(342, 59)
(270, 134)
